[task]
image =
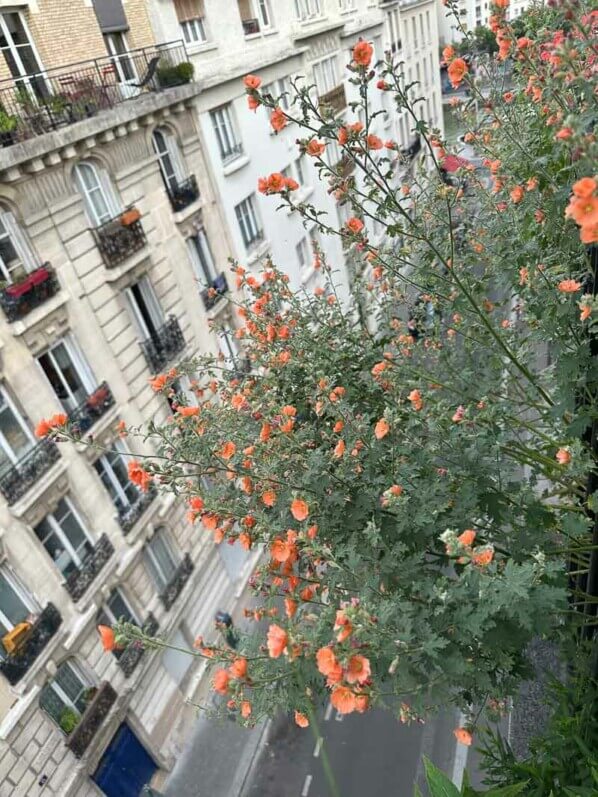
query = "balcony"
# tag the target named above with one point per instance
(413, 149)
(20, 476)
(91, 409)
(130, 657)
(41, 102)
(335, 99)
(20, 298)
(78, 580)
(177, 582)
(91, 720)
(18, 663)
(212, 295)
(127, 517)
(183, 194)
(250, 26)
(166, 343)
(120, 237)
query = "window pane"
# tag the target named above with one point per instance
(12, 432)
(163, 556)
(55, 547)
(11, 605)
(118, 607)
(72, 529)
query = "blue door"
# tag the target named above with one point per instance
(125, 767)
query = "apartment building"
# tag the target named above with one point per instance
(472, 14)
(113, 256)
(283, 40)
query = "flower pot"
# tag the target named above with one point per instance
(130, 217)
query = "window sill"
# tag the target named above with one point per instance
(257, 252)
(33, 494)
(115, 274)
(40, 313)
(189, 211)
(261, 34)
(105, 423)
(235, 165)
(204, 47)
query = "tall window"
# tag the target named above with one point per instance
(64, 537)
(95, 186)
(229, 347)
(192, 19)
(16, 255)
(146, 309)
(67, 695)
(255, 15)
(279, 89)
(346, 5)
(228, 141)
(118, 48)
(302, 250)
(15, 438)
(169, 158)
(248, 224)
(201, 258)
(161, 559)
(116, 609)
(308, 9)
(16, 605)
(112, 470)
(20, 54)
(68, 372)
(326, 74)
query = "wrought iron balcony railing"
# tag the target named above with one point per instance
(91, 409)
(120, 237)
(167, 342)
(17, 664)
(127, 517)
(20, 298)
(412, 149)
(336, 98)
(39, 102)
(250, 26)
(232, 153)
(183, 194)
(18, 478)
(215, 292)
(78, 580)
(177, 582)
(130, 657)
(91, 720)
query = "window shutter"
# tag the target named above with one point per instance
(111, 15)
(20, 242)
(188, 9)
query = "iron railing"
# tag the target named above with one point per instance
(177, 582)
(79, 579)
(128, 516)
(91, 720)
(232, 153)
(183, 194)
(91, 409)
(39, 102)
(413, 149)
(18, 663)
(167, 342)
(118, 240)
(20, 298)
(17, 478)
(130, 657)
(335, 99)
(250, 26)
(212, 295)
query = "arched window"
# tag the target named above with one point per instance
(66, 696)
(95, 186)
(17, 258)
(169, 155)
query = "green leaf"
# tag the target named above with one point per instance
(507, 791)
(438, 783)
(417, 792)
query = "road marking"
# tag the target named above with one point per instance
(339, 717)
(318, 747)
(306, 785)
(328, 713)
(460, 762)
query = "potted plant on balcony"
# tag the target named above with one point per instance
(69, 719)
(175, 75)
(8, 125)
(129, 217)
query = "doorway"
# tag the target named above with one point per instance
(126, 766)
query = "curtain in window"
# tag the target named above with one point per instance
(188, 9)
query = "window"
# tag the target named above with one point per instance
(145, 308)
(20, 54)
(255, 15)
(68, 373)
(201, 258)
(302, 250)
(112, 470)
(115, 610)
(16, 605)
(118, 48)
(64, 537)
(169, 158)
(161, 559)
(326, 75)
(414, 32)
(301, 168)
(228, 144)
(279, 89)
(16, 255)
(346, 5)
(229, 348)
(191, 17)
(15, 437)
(181, 389)
(95, 186)
(67, 695)
(250, 231)
(308, 9)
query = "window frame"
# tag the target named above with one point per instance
(119, 489)
(7, 403)
(225, 130)
(26, 257)
(103, 187)
(57, 530)
(170, 153)
(329, 70)
(79, 364)
(154, 566)
(67, 702)
(22, 594)
(306, 10)
(202, 260)
(247, 218)
(152, 306)
(193, 26)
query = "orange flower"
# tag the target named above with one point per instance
(278, 120)
(373, 142)
(289, 411)
(463, 736)
(269, 497)
(354, 225)
(358, 670)
(299, 509)
(44, 427)
(563, 457)
(277, 641)
(220, 682)
(315, 147)
(586, 311)
(395, 490)
(343, 623)
(107, 636)
(467, 537)
(589, 234)
(252, 81)
(187, 412)
(326, 661)
(301, 720)
(338, 426)
(138, 475)
(362, 53)
(252, 102)
(362, 703)
(482, 556)
(343, 700)
(311, 532)
(584, 210)
(283, 551)
(585, 187)
(238, 401)
(381, 429)
(569, 286)
(158, 382)
(564, 133)
(238, 668)
(517, 194)
(339, 449)
(245, 709)
(290, 607)
(265, 432)
(416, 400)
(228, 450)
(457, 71)
(448, 53)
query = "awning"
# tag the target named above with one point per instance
(111, 15)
